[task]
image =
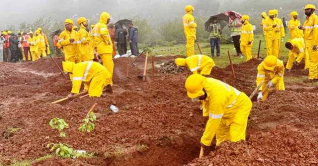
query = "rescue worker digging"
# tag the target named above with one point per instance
(270, 73)
(198, 64)
(297, 52)
(227, 108)
(94, 75)
(247, 37)
(310, 29)
(189, 29)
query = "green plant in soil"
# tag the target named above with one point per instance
(60, 125)
(88, 125)
(63, 150)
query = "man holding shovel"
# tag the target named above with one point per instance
(270, 73)
(227, 108)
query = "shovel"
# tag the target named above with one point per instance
(145, 68)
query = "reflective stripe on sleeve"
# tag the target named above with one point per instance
(215, 116)
(261, 75)
(247, 32)
(315, 26)
(61, 40)
(199, 64)
(301, 50)
(309, 27)
(77, 78)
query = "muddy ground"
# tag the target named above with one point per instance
(156, 124)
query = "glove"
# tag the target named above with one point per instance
(260, 96)
(270, 84)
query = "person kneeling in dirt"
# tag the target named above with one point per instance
(270, 72)
(297, 52)
(198, 64)
(228, 109)
(94, 75)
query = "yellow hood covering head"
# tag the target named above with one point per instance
(81, 20)
(104, 17)
(194, 85)
(270, 62)
(69, 21)
(310, 6)
(68, 66)
(180, 61)
(271, 13)
(264, 14)
(189, 8)
(4, 33)
(245, 17)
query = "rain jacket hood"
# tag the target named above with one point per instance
(104, 17)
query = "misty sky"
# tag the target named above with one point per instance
(13, 12)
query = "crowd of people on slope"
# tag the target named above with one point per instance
(226, 108)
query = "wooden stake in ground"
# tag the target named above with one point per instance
(201, 152)
(58, 67)
(233, 72)
(92, 108)
(145, 68)
(152, 66)
(259, 48)
(199, 48)
(66, 98)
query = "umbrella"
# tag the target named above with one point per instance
(222, 19)
(124, 22)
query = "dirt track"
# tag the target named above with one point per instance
(156, 125)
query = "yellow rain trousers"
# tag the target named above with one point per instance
(190, 32)
(247, 36)
(94, 76)
(41, 45)
(85, 48)
(264, 22)
(311, 39)
(271, 41)
(276, 76)
(103, 42)
(228, 110)
(32, 41)
(69, 49)
(201, 64)
(280, 33)
(298, 53)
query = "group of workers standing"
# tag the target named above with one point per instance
(24, 46)
(227, 108)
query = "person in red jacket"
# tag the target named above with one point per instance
(112, 33)
(26, 47)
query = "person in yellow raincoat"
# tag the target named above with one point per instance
(293, 25)
(85, 49)
(280, 32)
(227, 108)
(310, 29)
(46, 42)
(247, 37)
(94, 76)
(198, 64)
(189, 29)
(264, 19)
(41, 44)
(270, 29)
(270, 73)
(103, 42)
(297, 52)
(32, 41)
(67, 41)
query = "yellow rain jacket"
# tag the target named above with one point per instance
(94, 75)
(272, 44)
(264, 22)
(311, 39)
(293, 25)
(32, 41)
(201, 64)
(85, 49)
(298, 52)
(280, 31)
(247, 36)
(190, 32)
(228, 110)
(69, 49)
(103, 42)
(276, 76)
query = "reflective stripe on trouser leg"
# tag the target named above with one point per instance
(234, 129)
(190, 46)
(97, 85)
(291, 60)
(108, 63)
